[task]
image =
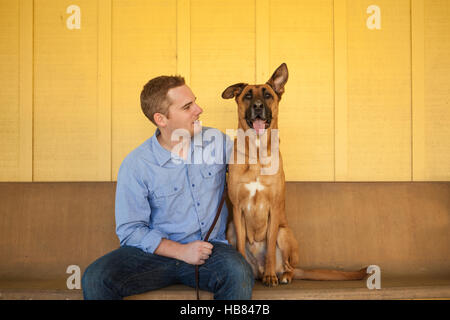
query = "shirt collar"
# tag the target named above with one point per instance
(163, 155)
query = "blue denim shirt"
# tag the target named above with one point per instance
(159, 196)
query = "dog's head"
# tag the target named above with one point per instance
(258, 104)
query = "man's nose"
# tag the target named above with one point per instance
(198, 110)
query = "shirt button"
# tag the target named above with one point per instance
(175, 189)
(198, 203)
(209, 173)
(203, 223)
(193, 185)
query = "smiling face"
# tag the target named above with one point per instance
(183, 110)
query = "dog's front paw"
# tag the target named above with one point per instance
(270, 280)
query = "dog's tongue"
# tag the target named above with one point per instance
(259, 126)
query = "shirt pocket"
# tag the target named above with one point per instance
(164, 195)
(213, 174)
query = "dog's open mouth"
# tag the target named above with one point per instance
(259, 124)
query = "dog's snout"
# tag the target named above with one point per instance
(258, 104)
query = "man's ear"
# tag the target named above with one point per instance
(234, 90)
(160, 119)
(279, 79)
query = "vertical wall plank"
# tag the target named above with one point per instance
(433, 121)
(144, 45)
(304, 41)
(10, 111)
(222, 54)
(104, 90)
(67, 136)
(184, 39)
(262, 43)
(379, 92)
(26, 91)
(340, 90)
(418, 87)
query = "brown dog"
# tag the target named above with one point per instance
(259, 229)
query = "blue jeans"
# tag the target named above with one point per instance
(129, 270)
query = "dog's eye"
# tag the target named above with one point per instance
(267, 96)
(248, 96)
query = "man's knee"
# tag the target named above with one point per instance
(236, 279)
(97, 284)
(238, 270)
(90, 282)
(243, 272)
(90, 277)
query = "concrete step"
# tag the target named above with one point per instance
(392, 287)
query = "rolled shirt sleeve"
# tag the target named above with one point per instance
(132, 211)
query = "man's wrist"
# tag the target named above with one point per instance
(178, 250)
(169, 248)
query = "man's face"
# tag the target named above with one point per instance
(183, 111)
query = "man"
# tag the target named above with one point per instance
(165, 205)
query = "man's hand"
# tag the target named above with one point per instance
(196, 252)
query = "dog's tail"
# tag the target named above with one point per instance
(322, 274)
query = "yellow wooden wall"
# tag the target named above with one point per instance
(361, 104)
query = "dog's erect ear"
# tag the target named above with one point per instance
(234, 90)
(279, 79)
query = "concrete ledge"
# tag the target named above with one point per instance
(405, 287)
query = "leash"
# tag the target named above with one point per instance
(207, 235)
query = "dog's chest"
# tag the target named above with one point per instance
(253, 187)
(255, 209)
(253, 198)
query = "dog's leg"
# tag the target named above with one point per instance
(289, 251)
(239, 226)
(270, 277)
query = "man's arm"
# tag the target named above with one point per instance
(133, 211)
(132, 215)
(195, 252)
